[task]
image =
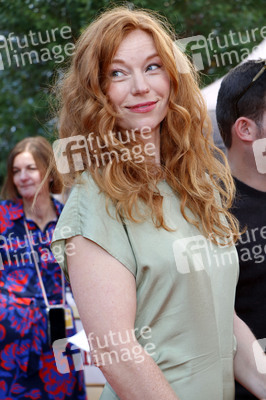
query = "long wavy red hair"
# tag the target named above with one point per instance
(188, 159)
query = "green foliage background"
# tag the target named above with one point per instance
(24, 91)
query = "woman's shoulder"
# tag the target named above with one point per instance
(7, 203)
(88, 213)
(85, 207)
(85, 194)
(85, 213)
(10, 211)
(58, 205)
(11, 205)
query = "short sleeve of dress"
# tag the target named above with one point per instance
(85, 214)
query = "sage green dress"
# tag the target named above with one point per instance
(185, 289)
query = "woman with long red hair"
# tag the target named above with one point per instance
(152, 264)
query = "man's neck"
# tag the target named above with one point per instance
(246, 172)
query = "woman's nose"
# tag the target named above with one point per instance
(23, 175)
(140, 84)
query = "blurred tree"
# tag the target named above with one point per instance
(29, 66)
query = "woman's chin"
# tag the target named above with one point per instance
(27, 196)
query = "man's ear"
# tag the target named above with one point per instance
(245, 129)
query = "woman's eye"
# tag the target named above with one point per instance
(117, 74)
(153, 67)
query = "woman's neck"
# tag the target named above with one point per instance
(41, 211)
(154, 139)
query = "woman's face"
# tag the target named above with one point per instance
(26, 176)
(139, 84)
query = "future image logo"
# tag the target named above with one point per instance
(61, 356)
(71, 154)
(198, 253)
(197, 46)
(219, 49)
(191, 253)
(35, 47)
(112, 347)
(78, 152)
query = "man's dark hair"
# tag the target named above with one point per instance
(251, 105)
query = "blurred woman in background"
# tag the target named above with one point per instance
(31, 280)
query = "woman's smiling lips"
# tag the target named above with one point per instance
(143, 107)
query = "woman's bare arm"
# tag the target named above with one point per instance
(246, 371)
(105, 294)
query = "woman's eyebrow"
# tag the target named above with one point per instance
(28, 165)
(121, 61)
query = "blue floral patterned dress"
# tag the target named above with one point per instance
(27, 364)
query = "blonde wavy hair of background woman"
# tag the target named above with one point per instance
(187, 150)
